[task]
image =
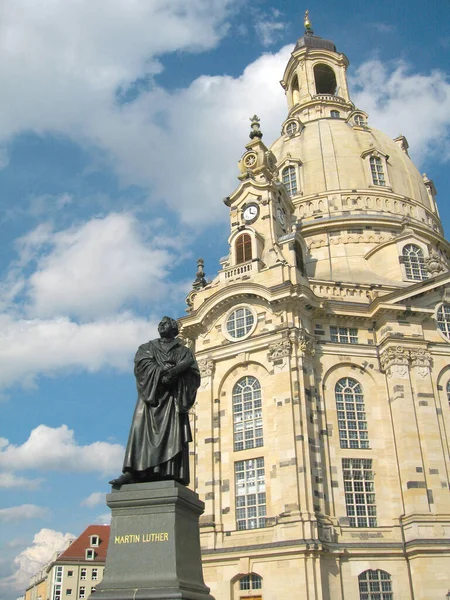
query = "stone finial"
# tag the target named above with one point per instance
(255, 127)
(199, 281)
(307, 24)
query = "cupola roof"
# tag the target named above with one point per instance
(314, 41)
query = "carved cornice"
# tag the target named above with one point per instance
(396, 355)
(421, 358)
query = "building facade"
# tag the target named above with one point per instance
(74, 572)
(322, 422)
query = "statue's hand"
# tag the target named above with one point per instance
(167, 377)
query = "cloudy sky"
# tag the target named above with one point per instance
(121, 122)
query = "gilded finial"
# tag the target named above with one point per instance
(255, 127)
(307, 23)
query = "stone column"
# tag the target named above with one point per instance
(395, 362)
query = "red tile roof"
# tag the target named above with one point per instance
(77, 549)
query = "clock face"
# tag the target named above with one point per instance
(281, 216)
(251, 212)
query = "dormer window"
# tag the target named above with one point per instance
(243, 248)
(376, 168)
(414, 263)
(334, 114)
(95, 540)
(325, 80)
(90, 554)
(359, 120)
(289, 178)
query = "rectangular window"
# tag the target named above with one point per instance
(94, 540)
(94, 574)
(57, 592)
(58, 574)
(92, 589)
(68, 592)
(90, 554)
(82, 592)
(69, 573)
(83, 573)
(250, 494)
(376, 168)
(359, 492)
(344, 335)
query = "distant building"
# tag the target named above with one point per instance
(74, 573)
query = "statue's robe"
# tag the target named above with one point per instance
(160, 432)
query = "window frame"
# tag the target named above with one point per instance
(408, 266)
(335, 114)
(250, 582)
(291, 182)
(83, 573)
(251, 421)
(445, 306)
(375, 153)
(351, 414)
(343, 335)
(250, 506)
(377, 579)
(243, 248)
(359, 492)
(249, 332)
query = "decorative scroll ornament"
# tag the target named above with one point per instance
(434, 264)
(306, 345)
(279, 350)
(206, 367)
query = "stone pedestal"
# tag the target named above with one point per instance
(154, 546)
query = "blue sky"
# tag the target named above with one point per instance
(121, 124)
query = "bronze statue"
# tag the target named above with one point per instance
(167, 379)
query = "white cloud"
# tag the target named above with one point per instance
(12, 481)
(94, 499)
(399, 101)
(29, 348)
(95, 268)
(103, 519)
(55, 449)
(24, 511)
(26, 564)
(269, 29)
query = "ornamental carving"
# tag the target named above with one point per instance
(434, 264)
(306, 346)
(279, 350)
(206, 367)
(397, 355)
(420, 358)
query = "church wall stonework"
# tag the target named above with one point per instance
(322, 425)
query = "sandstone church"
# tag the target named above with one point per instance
(322, 423)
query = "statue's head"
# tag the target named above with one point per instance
(168, 326)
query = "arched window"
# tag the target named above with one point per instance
(443, 319)
(375, 585)
(247, 414)
(250, 582)
(376, 168)
(243, 248)
(359, 120)
(289, 178)
(448, 391)
(414, 263)
(334, 114)
(295, 90)
(351, 413)
(325, 80)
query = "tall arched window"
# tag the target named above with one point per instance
(243, 248)
(414, 263)
(247, 414)
(352, 418)
(376, 168)
(289, 178)
(375, 585)
(325, 80)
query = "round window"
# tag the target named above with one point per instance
(240, 322)
(443, 318)
(291, 128)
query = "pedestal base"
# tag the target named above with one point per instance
(154, 545)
